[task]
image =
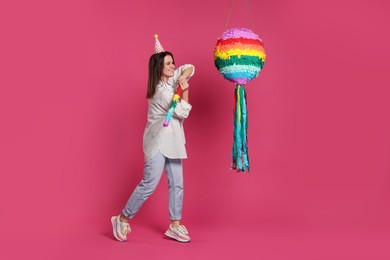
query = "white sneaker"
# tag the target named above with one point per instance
(179, 233)
(120, 229)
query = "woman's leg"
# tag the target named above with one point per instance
(152, 173)
(174, 170)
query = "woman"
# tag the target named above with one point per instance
(164, 147)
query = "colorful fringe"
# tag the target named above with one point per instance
(175, 99)
(240, 156)
(239, 56)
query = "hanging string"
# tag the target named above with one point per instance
(249, 14)
(230, 12)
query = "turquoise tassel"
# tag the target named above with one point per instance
(240, 146)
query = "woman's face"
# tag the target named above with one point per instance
(169, 68)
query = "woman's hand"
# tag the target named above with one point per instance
(183, 83)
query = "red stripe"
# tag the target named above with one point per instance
(241, 40)
(179, 90)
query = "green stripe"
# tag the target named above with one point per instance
(244, 60)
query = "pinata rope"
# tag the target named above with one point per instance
(249, 14)
(239, 56)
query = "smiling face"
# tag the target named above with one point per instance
(168, 69)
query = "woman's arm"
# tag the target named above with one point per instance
(185, 95)
(183, 81)
(185, 86)
(187, 72)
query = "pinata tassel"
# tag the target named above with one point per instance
(240, 148)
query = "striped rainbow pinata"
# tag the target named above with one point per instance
(239, 56)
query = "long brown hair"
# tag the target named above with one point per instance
(156, 66)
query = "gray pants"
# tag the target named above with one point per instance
(152, 173)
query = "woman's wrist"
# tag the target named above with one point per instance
(184, 88)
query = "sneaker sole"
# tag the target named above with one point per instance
(114, 229)
(168, 233)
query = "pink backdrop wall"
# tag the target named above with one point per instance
(73, 111)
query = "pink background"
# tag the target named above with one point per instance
(72, 104)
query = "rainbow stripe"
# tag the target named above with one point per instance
(239, 55)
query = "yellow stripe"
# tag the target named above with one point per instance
(238, 107)
(176, 97)
(237, 52)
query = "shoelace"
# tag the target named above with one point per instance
(183, 229)
(125, 228)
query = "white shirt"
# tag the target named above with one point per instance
(170, 140)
